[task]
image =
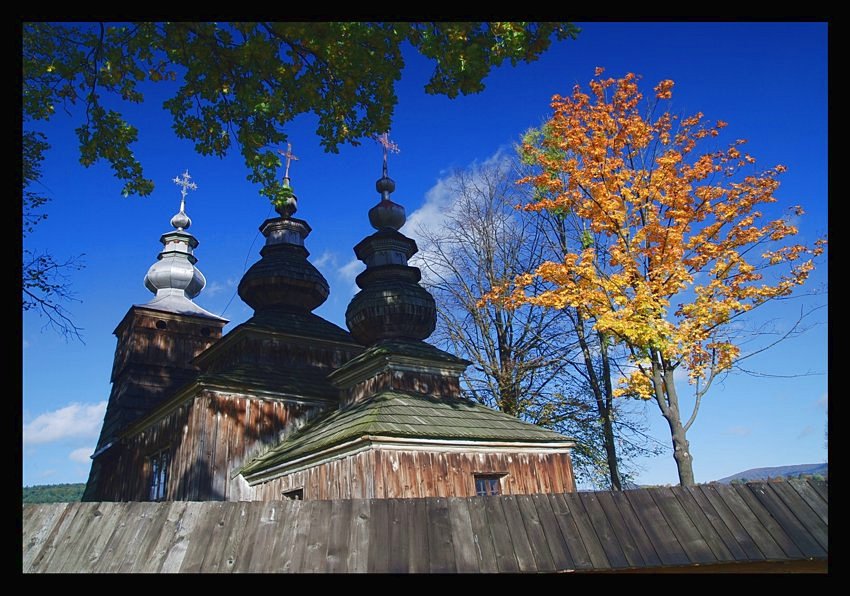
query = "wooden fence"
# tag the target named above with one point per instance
(758, 526)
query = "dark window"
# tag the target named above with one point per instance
(159, 475)
(205, 331)
(161, 325)
(488, 484)
(294, 495)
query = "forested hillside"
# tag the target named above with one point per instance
(53, 493)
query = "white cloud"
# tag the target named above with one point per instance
(73, 421)
(433, 212)
(738, 431)
(216, 287)
(440, 199)
(26, 344)
(81, 455)
(348, 272)
(439, 206)
(823, 402)
(327, 259)
(680, 376)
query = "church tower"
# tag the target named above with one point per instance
(158, 340)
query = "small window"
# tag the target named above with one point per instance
(161, 325)
(205, 331)
(159, 475)
(488, 484)
(294, 495)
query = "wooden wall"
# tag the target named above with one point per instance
(207, 437)
(271, 351)
(391, 473)
(438, 384)
(141, 342)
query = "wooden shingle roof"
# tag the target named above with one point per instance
(397, 414)
(711, 527)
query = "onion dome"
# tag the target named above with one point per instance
(283, 278)
(175, 271)
(391, 303)
(174, 278)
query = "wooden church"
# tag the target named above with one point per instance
(290, 406)
(291, 445)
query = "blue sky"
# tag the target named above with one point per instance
(767, 80)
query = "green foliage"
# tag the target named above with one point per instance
(282, 195)
(34, 146)
(244, 82)
(53, 493)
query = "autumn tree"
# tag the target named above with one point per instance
(526, 361)
(236, 84)
(676, 248)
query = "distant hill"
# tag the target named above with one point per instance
(779, 472)
(53, 493)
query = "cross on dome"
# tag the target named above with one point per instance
(181, 221)
(389, 147)
(289, 157)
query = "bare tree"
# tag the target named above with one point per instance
(481, 242)
(532, 362)
(46, 286)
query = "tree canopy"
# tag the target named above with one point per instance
(243, 83)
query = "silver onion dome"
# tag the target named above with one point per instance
(175, 271)
(174, 278)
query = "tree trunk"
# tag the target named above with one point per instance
(669, 403)
(681, 452)
(508, 401)
(611, 452)
(607, 422)
(604, 402)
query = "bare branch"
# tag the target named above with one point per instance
(46, 285)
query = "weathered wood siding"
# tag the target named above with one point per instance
(427, 383)
(702, 528)
(392, 473)
(140, 341)
(207, 437)
(267, 350)
(150, 363)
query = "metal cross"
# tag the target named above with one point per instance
(389, 147)
(289, 157)
(185, 187)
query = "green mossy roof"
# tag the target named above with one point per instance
(396, 414)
